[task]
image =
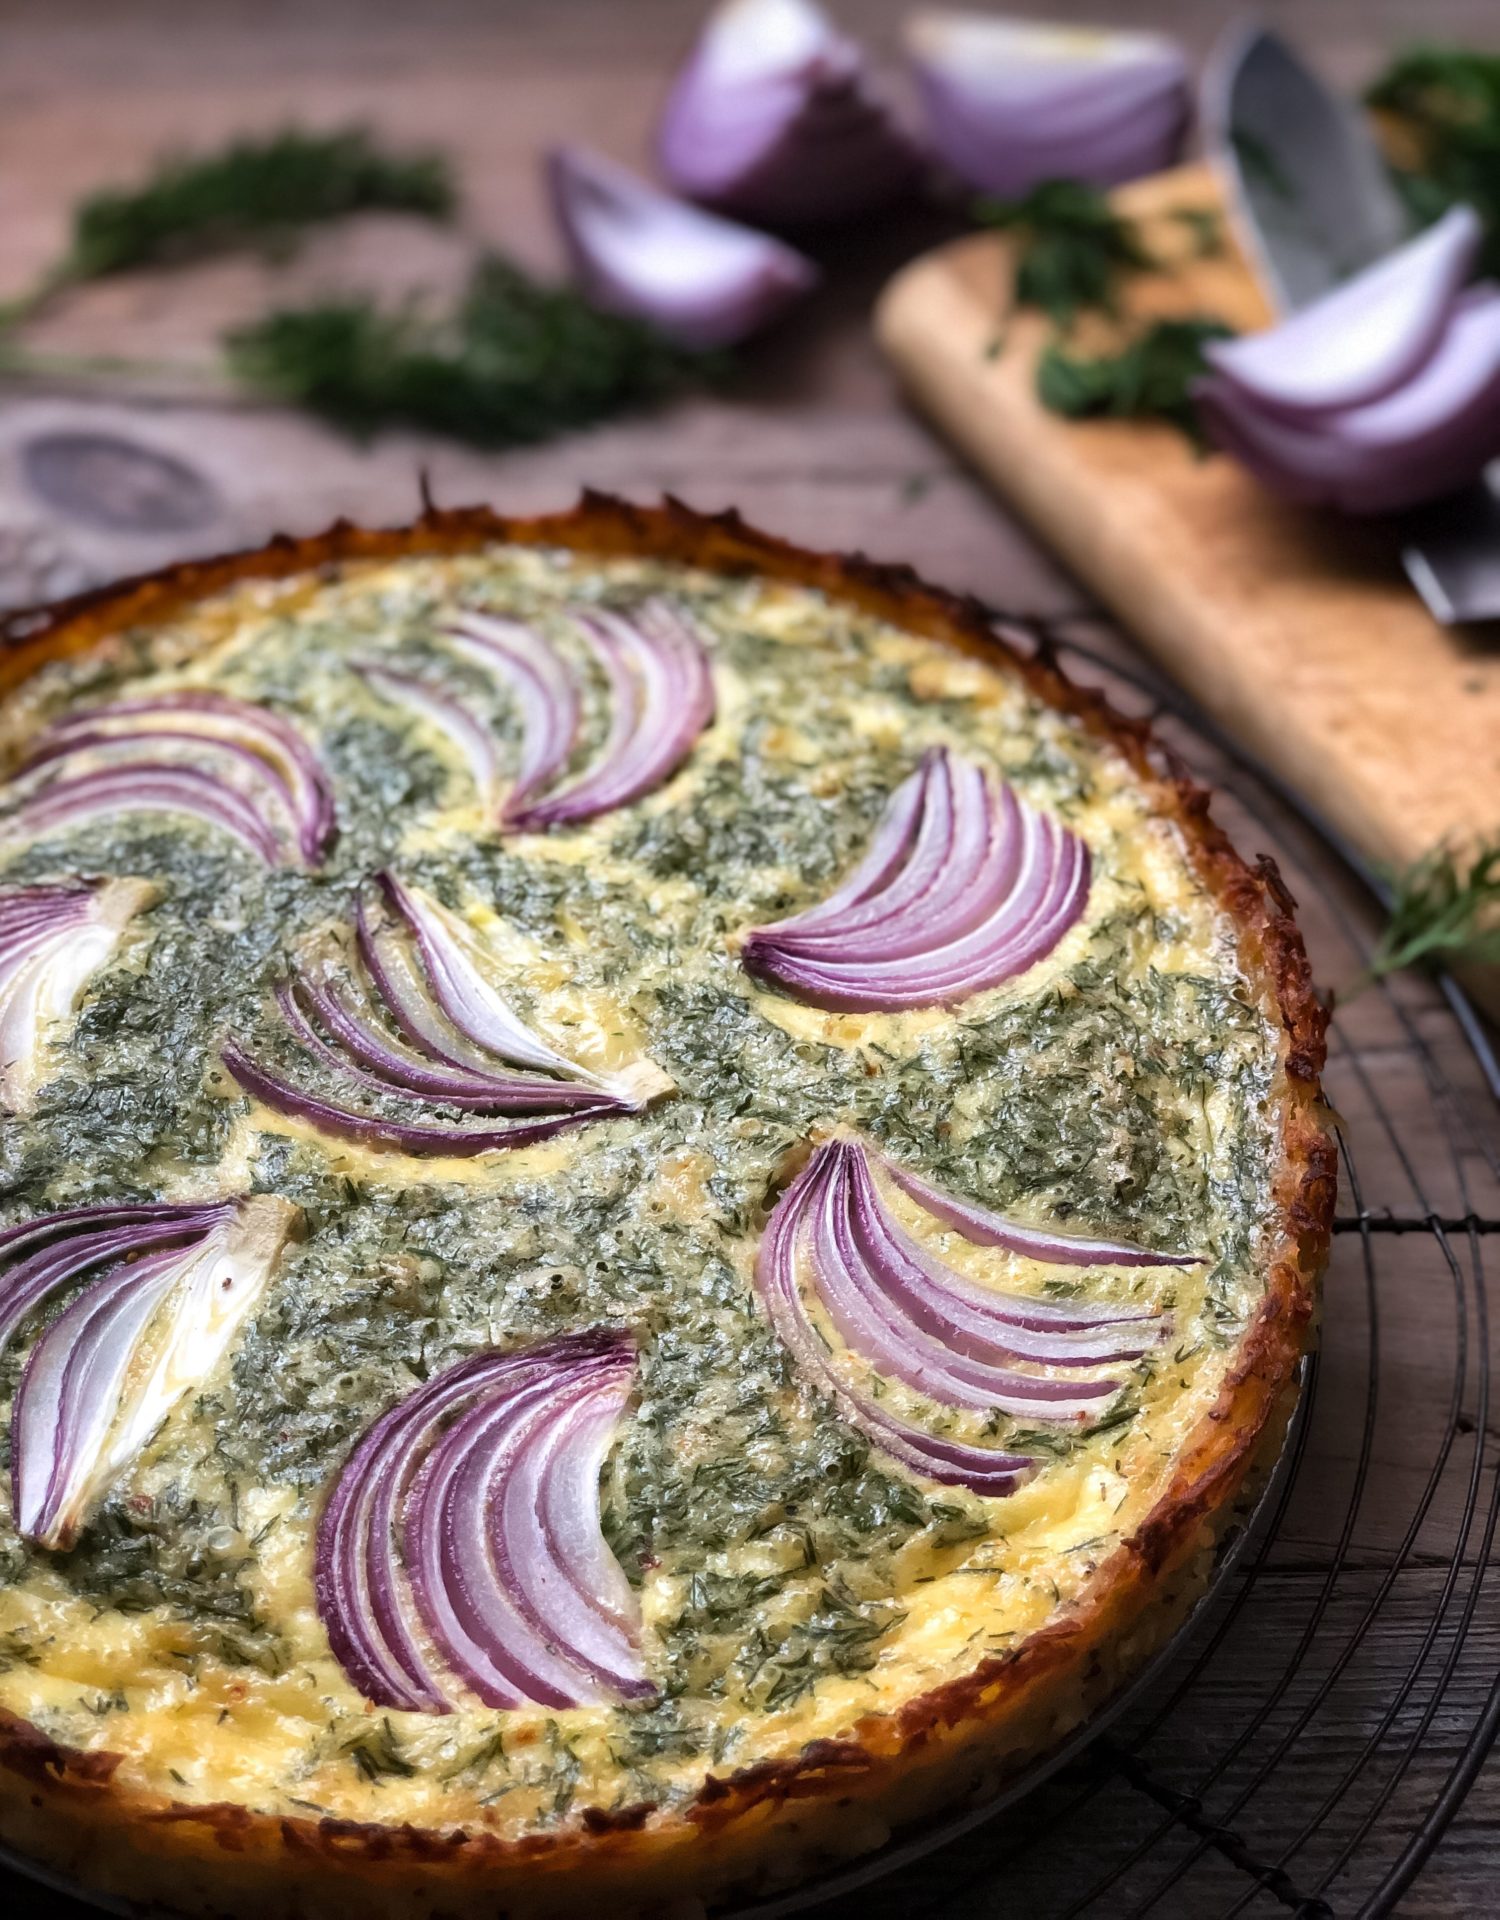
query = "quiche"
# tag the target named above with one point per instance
(657, 1198)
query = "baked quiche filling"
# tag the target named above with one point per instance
(608, 1170)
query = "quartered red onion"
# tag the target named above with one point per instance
(411, 1014)
(698, 278)
(430, 706)
(460, 1556)
(171, 1288)
(963, 886)
(1382, 395)
(230, 763)
(661, 697)
(775, 117)
(1011, 103)
(53, 940)
(915, 1319)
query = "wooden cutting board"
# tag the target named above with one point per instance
(1293, 628)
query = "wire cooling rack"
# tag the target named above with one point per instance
(1320, 1726)
(1317, 1730)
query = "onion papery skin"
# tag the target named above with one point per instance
(703, 281)
(175, 1287)
(963, 886)
(459, 1555)
(1431, 436)
(661, 697)
(774, 118)
(231, 736)
(431, 707)
(53, 940)
(422, 1023)
(961, 1345)
(1009, 104)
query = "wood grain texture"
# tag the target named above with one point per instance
(1295, 629)
(811, 441)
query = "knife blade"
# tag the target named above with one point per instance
(1313, 202)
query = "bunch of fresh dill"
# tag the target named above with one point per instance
(255, 192)
(516, 361)
(1444, 912)
(1447, 101)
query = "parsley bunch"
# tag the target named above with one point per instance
(1448, 98)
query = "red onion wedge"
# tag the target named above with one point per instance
(963, 886)
(460, 1555)
(53, 940)
(775, 118)
(233, 764)
(417, 1018)
(702, 280)
(1429, 437)
(661, 698)
(177, 1284)
(1012, 103)
(431, 707)
(1367, 337)
(915, 1319)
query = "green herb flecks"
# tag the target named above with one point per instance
(1073, 247)
(1445, 912)
(256, 192)
(1448, 100)
(1150, 378)
(516, 362)
(376, 1753)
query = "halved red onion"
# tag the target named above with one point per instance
(456, 1041)
(1430, 436)
(775, 117)
(700, 279)
(460, 1555)
(661, 698)
(959, 1344)
(1011, 103)
(53, 940)
(1366, 338)
(963, 886)
(136, 1341)
(254, 739)
(445, 715)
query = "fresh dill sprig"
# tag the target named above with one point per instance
(255, 192)
(376, 1752)
(1445, 910)
(1447, 99)
(1150, 378)
(517, 361)
(1073, 247)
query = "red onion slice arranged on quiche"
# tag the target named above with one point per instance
(53, 939)
(226, 761)
(913, 1318)
(660, 692)
(176, 1285)
(460, 1554)
(409, 1016)
(963, 886)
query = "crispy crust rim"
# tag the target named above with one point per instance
(773, 1823)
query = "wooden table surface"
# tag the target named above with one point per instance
(811, 441)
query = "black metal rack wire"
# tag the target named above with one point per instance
(1311, 1738)
(1325, 1717)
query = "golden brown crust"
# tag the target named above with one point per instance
(769, 1824)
